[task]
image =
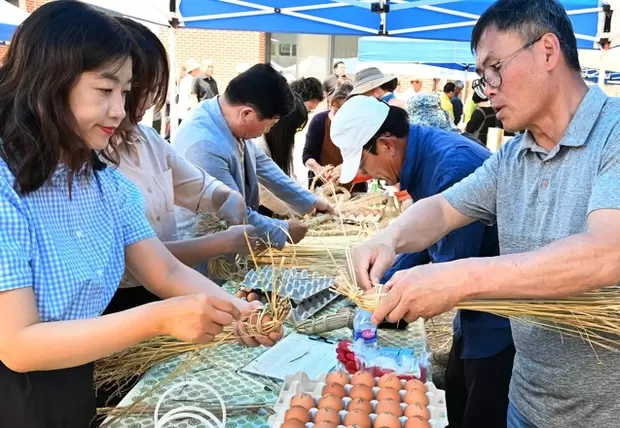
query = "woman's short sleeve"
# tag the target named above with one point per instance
(135, 225)
(15, 242)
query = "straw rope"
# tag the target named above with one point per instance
(593, 317)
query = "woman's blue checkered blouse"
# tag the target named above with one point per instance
(71, 251)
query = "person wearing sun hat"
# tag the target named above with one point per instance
(373, 83)
(377, 139)
(192, 69)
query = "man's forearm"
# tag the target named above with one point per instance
(417, 228)
(566, 267)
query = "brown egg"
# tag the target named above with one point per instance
(297, 412)
(361, 391)
(364, 378)
(415, 384)
(389, 406)
(303, 400)
(293, 423)
(388, 394)
(357, 417)
(416, 422)
(252, 296)
(339, 377)
(416, 409)
(242, 294)
(389, 381)
(386, 420)
(360, 404)
(331, 402)
(324, 424)
(326, 414)
(334, 389)
(416, 396)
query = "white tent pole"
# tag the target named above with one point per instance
(602, 71)
(174, 111)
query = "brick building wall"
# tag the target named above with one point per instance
(227, 49)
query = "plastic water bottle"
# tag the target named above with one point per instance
(363, 328)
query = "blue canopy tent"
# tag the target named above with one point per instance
(10, 18)
(592, 75)
(421, 19)
(454, 55)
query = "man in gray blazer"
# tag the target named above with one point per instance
(217, 135)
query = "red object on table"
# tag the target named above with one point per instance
(360, 178)
(351, 364)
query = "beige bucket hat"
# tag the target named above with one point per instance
(191, 65)
(369, 79)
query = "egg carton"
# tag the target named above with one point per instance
(300, 383)
(310, 306)
(293, 284)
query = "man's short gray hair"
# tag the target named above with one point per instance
(530, 19)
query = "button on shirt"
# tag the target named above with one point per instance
(165, 179)
(71, 251)
(538, 197)
(434, 161)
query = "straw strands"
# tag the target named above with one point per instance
(593, 317)
(221, 267)
(120, 369)
(325, 254)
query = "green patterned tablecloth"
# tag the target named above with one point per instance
(250, 400)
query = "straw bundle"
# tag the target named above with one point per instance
(314, 221)
(221, 267)
(120, 369)
(593, 317)
(327, 323)
(321, 254)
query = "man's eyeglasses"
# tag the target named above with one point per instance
(491, 74)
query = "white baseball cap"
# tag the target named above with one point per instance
(355, 123)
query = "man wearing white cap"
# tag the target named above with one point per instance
(378, 140)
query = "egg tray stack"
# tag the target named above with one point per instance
(299, 389)
(308, 292)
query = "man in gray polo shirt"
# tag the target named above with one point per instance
(555, 195)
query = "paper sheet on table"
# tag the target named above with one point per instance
(295, 353)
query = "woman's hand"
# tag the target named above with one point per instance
(233, 210)
(197, 318)
(334, 174)
(244, 338)
(242, 239)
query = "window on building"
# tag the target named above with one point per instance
(300, 55)
(288, 49)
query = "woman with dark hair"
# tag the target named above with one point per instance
(165, 178)
(319, 150)
(278, 143)
(310, 89)
(69, 225)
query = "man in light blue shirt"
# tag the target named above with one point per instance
(217, 135)
(553, 193)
